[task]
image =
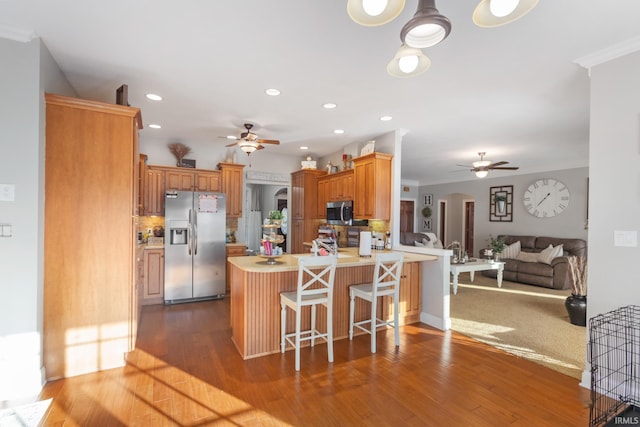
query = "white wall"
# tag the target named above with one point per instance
(27, 71)
(614, 202)
(569, 224)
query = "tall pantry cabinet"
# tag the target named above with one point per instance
(91, 302)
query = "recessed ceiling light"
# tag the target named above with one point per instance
(154, 126)
(386, 118)
(338, 131)
(304, 147)
(272, 92)
(154, 97)
(329, 105)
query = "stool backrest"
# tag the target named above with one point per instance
(387, 273)
(320, 272)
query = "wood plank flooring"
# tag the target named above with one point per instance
(186, 372)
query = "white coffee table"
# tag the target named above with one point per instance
(474, 266)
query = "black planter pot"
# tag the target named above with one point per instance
(577, 308)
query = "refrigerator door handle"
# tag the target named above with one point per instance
(189, 243)
(195, 232)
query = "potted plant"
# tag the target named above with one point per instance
(497, 246)
(500, 200)
(275, 217)
(576, 303)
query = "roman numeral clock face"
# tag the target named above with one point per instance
(546, 198)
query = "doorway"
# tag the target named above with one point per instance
(442, 221)
(468, 218)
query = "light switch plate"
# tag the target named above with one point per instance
(7, 192)
(5, 230)
(625, 238)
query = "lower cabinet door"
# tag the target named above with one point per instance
(153, 289)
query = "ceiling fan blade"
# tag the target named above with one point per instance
(231, 145)
(492, 165)
(268, 141)
(465, 166)
(259, 147)
(511, 168)
(234, 138)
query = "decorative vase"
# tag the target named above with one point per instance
(501, 206)
(577, 308)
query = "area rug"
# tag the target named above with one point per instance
(528, 321)
(28, 415)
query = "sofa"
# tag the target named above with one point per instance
(409, 238)
(524, 268)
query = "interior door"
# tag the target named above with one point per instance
(407, 215)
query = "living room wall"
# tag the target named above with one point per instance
(570, 224)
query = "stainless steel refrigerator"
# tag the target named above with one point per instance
(194, 263)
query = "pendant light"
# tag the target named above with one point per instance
(408, 62)
(493, 13)
(371, 13)
(427, 27)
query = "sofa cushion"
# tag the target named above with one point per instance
(424, 243)
(547, 255)
(535, 268)
(510, 251)
(528, 256)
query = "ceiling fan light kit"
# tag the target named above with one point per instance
(428, 26)
(249, 141)
(408, 62)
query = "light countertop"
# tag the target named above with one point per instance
(347, 257)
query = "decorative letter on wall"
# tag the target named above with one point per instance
(501, 204)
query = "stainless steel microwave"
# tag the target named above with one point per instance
(340, 213)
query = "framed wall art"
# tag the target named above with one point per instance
(426, 224)
(501, 204)
(428, 199)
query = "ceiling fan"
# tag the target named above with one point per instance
(482, 167)
(249, 141)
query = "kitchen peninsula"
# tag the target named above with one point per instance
(256, 287)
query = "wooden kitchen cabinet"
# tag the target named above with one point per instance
(90, 298)
(153, 280)
(208, 181)
(323, 198)
(176, 179)
(339, 187)
(233, 251)
(154, 191)
(231, 185)
(372, 186)
(304, 208)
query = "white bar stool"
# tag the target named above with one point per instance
(386, 282)
(317, 290)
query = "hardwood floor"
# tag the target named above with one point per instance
(186, 372)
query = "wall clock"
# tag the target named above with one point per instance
(546, 198)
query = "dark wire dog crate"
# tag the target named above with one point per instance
(614, 346)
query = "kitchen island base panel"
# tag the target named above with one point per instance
(255, 307)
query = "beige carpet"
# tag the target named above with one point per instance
(528, 321)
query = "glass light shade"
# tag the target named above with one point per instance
(248, 146)
(358, 13)
(408, 62)
(481, 163)
(427, 27)
(481, 174)
(483, 16)
(374, 7)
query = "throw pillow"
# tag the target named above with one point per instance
(425, 243)
(510, 251)
(547, 255)
(438, 244)
(528, 256)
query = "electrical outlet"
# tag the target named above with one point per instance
(5, 230)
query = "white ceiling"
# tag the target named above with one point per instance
(513, 91)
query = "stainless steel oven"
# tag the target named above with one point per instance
(340, 213)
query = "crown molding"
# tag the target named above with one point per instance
(16, 34)
(612, 52)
